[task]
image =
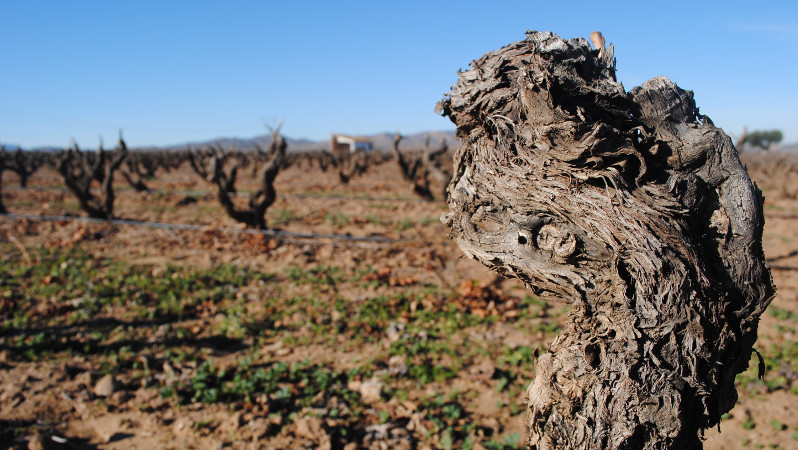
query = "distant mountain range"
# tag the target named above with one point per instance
(381, 141)
(14, 147)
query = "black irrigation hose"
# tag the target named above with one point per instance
(288, 236)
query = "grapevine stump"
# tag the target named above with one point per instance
(633, 208)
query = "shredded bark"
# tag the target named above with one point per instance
(634, 208)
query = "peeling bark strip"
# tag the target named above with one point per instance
(632, 207)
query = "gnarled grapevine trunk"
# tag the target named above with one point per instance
(422, 168)
(348, 163)
(632, 207)
(80, 169)
(210, 166)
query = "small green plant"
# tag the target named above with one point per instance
(783, 314)
(546, 327)
(373, 219)
(279, 217)
(320, 275)
(289, 388)
(502, 384)
(336, 219)
(385, 206)
(167, 392)
(511, 441)
(452, 411)
(404, 225)
(777, 425)
(446, 439)
(519, 356)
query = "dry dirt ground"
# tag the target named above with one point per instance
(121, 336)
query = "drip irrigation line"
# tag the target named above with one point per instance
(288, 236)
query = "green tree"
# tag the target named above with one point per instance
(763, 138)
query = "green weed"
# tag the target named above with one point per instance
(285, 387)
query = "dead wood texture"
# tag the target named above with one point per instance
(81, 169)
(632, 207)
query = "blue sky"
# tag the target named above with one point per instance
(169, 72)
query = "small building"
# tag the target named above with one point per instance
(341, 143)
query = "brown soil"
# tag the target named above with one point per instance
(56, 396)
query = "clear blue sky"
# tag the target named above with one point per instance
(169, 72)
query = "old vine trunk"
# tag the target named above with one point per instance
(632, 207)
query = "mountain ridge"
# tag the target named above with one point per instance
(381, 141)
